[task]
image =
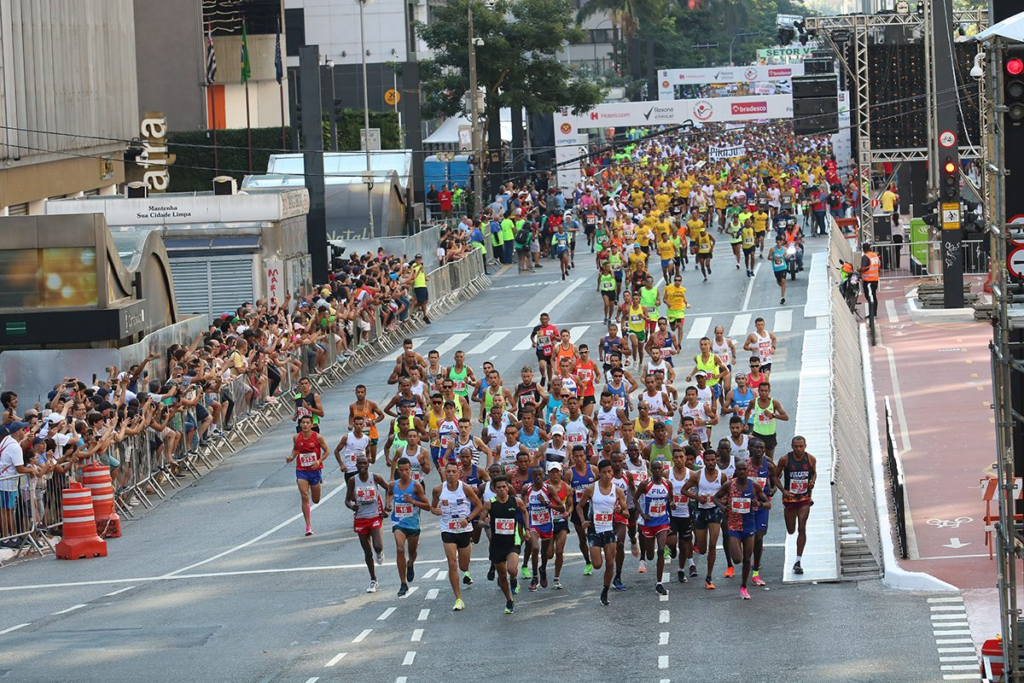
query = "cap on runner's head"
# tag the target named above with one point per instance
(558, 429)
(554, 466)
(636, 246)
(700, 373)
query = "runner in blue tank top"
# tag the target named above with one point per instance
(739, 499)
(655, 499)
(580, 476)
(406, 498)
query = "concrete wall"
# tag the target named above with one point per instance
(170, 52)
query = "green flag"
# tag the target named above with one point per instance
(246, 69)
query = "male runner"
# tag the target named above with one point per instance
(363, 499)
(457, 505)
(762, 342)
(763, 413)
(606, 500)
(739, 499)
(799, 472)
(406, 498)
(309, 450)
(350, 447)
(543, 339)
(654, 501)
(307, 403)
(371, 414)
(503, 512)
(762, 471)
(707, 521)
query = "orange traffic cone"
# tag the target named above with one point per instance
(79, 534)
(97, 480)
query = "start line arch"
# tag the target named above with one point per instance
(572, 138)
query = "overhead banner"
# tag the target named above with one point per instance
(668, 79)
(719, 153)
(775, 52)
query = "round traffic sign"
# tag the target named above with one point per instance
(947, 138)
(1015, 263)
(392, 97)
(1018, 221)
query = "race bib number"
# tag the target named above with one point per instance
(798, 486)
(403, 510)
(308, 459)
(640, 477)
(543, 341)
(680, 499)
(602, 518)
(505, 527)
(760, 481)
(740, 506)
(303, 411)
(459, 385)
(366, 496)
(540, 518)
(657, 509)
(704, 499)
(446, 439)
(574, 439)
(619, 401)
(454, 525)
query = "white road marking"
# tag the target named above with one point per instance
(411, 591)
(442, 575)
(362, 636)
(890, 311)
(417, 635)
(967, 658)
(663, 638)
(750, 286)
(576, 333)
(961, 677)
(740, 325)
(387, 613)
(335, 659)
(524, 344)
(432, 594)
(663, 661)
(699, 327)
(953, 632)
(956, 649)
(424, 613)
(959, 667)
(410, 657)
(783, 321)
(430, 572)
(935, 600)
(417, 342)
(489, 341)
(663, 598)
(314, 679)
(948, 608)
(663, 616)
(451, 342)
(957, 615)
(69, 609)
(14, 628)
(118, 592)
(953, 641)
(401, 679)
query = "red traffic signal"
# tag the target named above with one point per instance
(950, 167)
(1015, 66)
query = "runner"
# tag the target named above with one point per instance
(605, 501)
(702, 414)
(406, 498)
(748, 241)
(675, 300)
(737, 400)
(528, 393)
(725, 349)
(538, 498)
(777, 255)
(764, 473)
(588, 376)
(503, 513)
(368, 410)
(680, 538)
(465, 440)
(656, 498)
(309, 450)
(457, 505)
(581, 475)
(707, 521)
(762, 342)
(462, 379)
(542, 337)
(712, 366)
(560, 512)
(350, 447)
(799, 472)
(418, 457)
(739, 499)
(362, 498)
(307, 403)
(764, 413)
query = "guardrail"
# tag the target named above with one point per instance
(235, 412)
(896, 489)
(914, 259)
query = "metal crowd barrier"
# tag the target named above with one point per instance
(142, 470)
(896, 482)
(925, 259)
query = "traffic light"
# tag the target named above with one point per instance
(930, 214)
(1013, 86)
(969, 217)
(949, 179)
(786, 35)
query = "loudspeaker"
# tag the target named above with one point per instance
(818, 66)
(816, 125)
(815, 105)
(815, 86)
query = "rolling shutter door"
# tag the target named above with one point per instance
(212, 285)
(231, 280)
(191, 285)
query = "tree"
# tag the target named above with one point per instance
(628, 17)
(517, 60)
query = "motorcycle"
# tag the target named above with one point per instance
(850, 287)
(791, 260)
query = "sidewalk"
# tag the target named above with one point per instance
(937, 376)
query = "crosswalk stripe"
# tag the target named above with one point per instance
(783, 321)
(523, 345)
(576, 333)
(417, 344)
(740, 326)
(451, 343)
(699, 328)
(489, 341)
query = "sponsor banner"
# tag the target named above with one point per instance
(718, 153)
(775, 52)
(643, 114)
(668, 79)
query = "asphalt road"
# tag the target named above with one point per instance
(218, 584)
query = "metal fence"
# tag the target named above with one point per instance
(896, 480)
(851, 469)
(146, 466)
(925, 259)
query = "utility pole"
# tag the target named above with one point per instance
(477, 143)
(368, 178)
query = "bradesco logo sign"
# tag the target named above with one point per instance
(779, 73)
(748, 108)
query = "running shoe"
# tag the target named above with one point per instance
(588, 569)
(642, 569)
(660, 589)
(309, 530)
(557, 583)
(543, 579)
(744, 595)
(618, 585)
(782, 301)
(708, 584)
(459, 605)
(730, 572)
(374, 585)
(490, 573)
(681, 575)
(666, 553)
(634, 548)
(604, 597)
(402, 590)
(410, 573)
(510, 607)
(514, 585)
(526, 573)
(693, 571)
(797, 569)
(467, 579)
(534, 584)
(758, 581)
(380, 557)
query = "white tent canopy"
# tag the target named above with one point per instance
(448, 132)
(1010, 29)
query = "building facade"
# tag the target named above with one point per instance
(68, 99)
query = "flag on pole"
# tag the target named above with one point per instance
(211, 57)
(278, 64)
(246, 67)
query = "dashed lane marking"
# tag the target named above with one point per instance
(663, 616)
(432, 594)
(362, 636)
(14, 628)
(387, 613)
(663, 661)
(118, 592)
(663, 638)
(442, 575)
(430, 572)
(417, 635)
(69, 609)
(424, 613)
(411, 591)
(410, 657)
(335, 659)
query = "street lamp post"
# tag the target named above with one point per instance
(474, 108)
(332, 108)
(368, 178)
(733, 42)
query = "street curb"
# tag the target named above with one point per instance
(893, 575)
(937, 315)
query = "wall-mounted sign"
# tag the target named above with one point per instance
(154, 157)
